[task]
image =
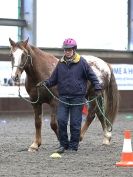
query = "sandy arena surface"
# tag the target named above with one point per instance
(92, 159)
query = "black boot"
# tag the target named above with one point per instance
(72, 151)
(60, 150)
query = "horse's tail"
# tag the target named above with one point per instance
(111, 98)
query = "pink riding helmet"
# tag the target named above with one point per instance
(69, 43)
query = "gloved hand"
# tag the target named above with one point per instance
(41, 84)
(98, 93)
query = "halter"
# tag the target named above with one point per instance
(22, 67)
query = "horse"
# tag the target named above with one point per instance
(39, 65)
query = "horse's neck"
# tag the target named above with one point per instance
(41, 64)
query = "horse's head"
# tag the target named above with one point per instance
(19, 58)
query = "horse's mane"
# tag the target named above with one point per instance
(38, 51)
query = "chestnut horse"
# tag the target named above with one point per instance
(38, 65)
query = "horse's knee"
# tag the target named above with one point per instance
(89, 119)
(53, 125)
(86, 125)
(80, 138)
(38, 123)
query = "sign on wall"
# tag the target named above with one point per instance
(124, 76)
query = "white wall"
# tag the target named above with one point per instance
(98, 24)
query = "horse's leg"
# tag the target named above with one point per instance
(53, 121)
(111, 102)
(90, 117)
(105, 125)
(38, 124)
(107, 134)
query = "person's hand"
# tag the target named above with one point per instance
(98, 93)
(41, 84)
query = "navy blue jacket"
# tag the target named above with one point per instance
(71, 78)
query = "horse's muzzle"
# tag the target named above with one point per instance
(15, 78)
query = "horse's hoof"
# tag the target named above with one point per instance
(107, 138)
(32, 149)
(106, 142)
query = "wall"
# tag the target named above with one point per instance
(110, 56)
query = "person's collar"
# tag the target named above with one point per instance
(74, 59)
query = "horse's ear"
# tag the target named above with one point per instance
(12, 42)
(26, 41)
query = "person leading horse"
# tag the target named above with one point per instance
(71, 76)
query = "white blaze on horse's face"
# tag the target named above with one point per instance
(16, 72)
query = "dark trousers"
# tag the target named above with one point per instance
(75, 113)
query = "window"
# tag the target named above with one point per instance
(8, 9)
